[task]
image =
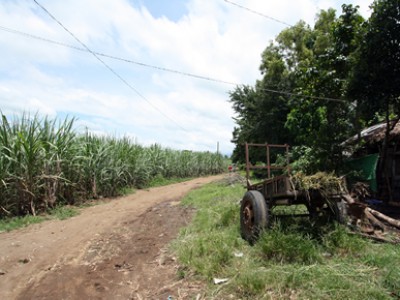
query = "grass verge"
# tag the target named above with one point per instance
(60, 213)
(162, 181)
(292, 260)
(9, 224)
(64, 212)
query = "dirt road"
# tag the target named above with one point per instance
(115, 250)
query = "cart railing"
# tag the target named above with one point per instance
(268, 167)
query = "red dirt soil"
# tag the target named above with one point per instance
(116, 250)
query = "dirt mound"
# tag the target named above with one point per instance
(233, 178)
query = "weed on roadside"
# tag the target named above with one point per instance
(64, 212)
(9, 224)
(291, 260)
(60, 213)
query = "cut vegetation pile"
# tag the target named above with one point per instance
(291, 260)
(360, 217)
(326, 183)
(45, 162)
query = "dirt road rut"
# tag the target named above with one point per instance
(115, 250)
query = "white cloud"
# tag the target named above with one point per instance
(214, 39)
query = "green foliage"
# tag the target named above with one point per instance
(375, 81)
(388, 264)
(127, 191)
(303, 159)
(8, 224)
(161, 181)
(346, 58)
(287, 247)
(60, 213)
(209, 253)
(45, 163)
(292, 260)
(340, 243)
(64, 212)
(376, 76)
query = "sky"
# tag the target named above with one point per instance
(132, 67)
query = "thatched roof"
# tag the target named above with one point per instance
(374, 134)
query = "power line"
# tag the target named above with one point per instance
(304, 96)
(115, 57)
(162, 68)
(272, 90)
(107, 66)
(258, 13)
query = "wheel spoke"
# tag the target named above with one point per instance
(248, 217)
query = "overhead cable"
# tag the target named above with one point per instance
(165, 69)
(108, 67)
(115, 57)
(258, 13)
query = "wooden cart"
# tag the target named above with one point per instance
(260, 199)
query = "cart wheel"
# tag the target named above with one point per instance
(253, 216)
(336, 211)
(341, 212)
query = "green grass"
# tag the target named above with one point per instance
(127, 191)
(162, 181)
(60, 213)
(292, 260)
(64, 212)
(9, 224)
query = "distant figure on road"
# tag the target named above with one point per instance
(232, 168)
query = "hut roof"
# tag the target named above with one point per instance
(375, 134)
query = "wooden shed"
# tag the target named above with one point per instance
(366, 155)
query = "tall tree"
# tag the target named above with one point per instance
(260, 113)
(244, 101)
(376, 75)
(322, 124)
(347, 58)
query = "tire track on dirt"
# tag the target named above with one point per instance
(42, 251)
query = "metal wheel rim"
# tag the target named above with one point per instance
(248, 217)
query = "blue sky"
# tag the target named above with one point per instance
(211, 38)
(171, 9)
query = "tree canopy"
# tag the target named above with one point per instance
(322, 84)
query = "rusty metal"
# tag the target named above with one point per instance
(248, 216)
(268, 166)
(247, 165)
(278, 191)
